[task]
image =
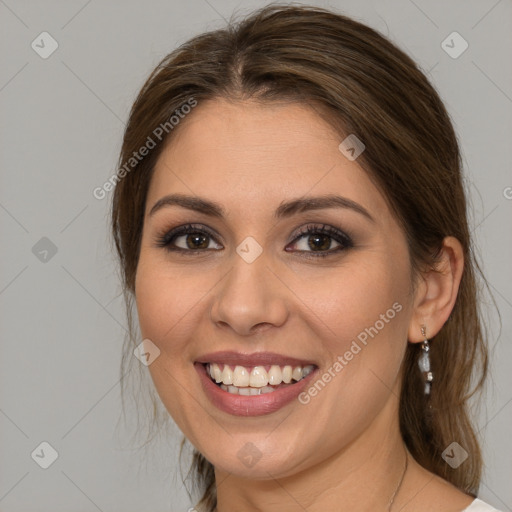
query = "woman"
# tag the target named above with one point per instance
(291, 223)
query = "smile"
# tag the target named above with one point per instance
(240, 398)
(256, 380)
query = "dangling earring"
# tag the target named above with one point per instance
(424, 361)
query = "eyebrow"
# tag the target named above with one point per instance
(284, 210)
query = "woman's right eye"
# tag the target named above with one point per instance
(186, 239)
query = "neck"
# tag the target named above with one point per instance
(365, 475)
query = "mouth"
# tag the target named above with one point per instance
(256, 384)
(255, 380)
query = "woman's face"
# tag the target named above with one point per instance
(250, 281)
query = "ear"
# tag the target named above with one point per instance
(437, 291)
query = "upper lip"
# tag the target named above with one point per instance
(254, 359)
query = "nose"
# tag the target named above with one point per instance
(250, 299)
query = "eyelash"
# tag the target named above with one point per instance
(342, 238)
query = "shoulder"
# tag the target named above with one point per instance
(435, 493)
(480, 506)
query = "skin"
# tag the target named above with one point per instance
(343, 448)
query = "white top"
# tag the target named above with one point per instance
(480, 506)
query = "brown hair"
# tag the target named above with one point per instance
(371, 88)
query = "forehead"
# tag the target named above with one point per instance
(258, 154)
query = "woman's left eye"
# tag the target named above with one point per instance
(318, 239)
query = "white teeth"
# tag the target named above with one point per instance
(247, 391)
(240, 377)
(275, 376)
(227, 375)
(216, 373)
(297, 373)
(256, 377)
(287, 374)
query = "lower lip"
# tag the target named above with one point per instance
(255, 405)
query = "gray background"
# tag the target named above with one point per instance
(62, 319)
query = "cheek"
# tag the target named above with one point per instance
(165, 298)
(361, 315)
(166, 301)
(347, 302)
